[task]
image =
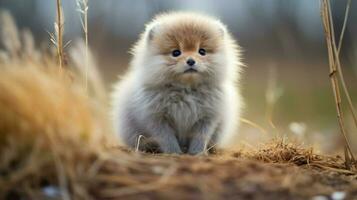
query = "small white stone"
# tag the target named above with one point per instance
(338, 195)
(320, 197)
(298, 128)
(158, 169)
(51, 191)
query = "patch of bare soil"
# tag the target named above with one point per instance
(236, 176)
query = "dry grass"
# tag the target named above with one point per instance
(59, 26)
(46, 125)
(9, 36)
(278, 151)
(51, 132)
(83, 10)
(335, 68)
(95, 86)
(272, 94)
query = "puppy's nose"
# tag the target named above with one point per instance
(191, 62)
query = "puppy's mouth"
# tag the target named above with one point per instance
(190, 70)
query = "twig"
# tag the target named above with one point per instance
(339, 68)
(255, 125)
(59, 33)
(348, 5)
(138, 143)
(327, 23)
(338, 63)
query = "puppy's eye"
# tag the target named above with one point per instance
(176, 53)
(202, 52)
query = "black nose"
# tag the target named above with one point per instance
(191, 62)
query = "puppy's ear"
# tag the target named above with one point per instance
(151, 32)
(222, 30)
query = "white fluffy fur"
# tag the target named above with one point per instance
(172, 115)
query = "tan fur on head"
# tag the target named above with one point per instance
(188, 36)
(187, 32)
(181, 32)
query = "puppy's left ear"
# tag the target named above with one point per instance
(152, 30)
(222, 30)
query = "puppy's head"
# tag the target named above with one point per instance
(187, 48)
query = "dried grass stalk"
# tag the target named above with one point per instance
(59, 33)
(9, 34)
(95, 82)
(83, 10)
(272, 95)
(333, 62)
(49, 131)
(338, 64)
(29, 48)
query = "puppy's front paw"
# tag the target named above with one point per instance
(197, 148)
(172, 149)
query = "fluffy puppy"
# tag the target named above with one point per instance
(180, 94)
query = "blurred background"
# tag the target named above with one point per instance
(285, 85)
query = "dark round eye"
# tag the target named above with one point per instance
(202, 52)
(176, 53)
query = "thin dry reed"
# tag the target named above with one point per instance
(83, 10)
(95, 83)
(272, 95)
(335, 68)
(338, 64)
(30, 52)
(59, 33)
(9, 35)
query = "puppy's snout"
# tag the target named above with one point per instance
(191, 62)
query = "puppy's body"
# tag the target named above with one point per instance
(177, 96)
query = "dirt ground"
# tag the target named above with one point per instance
(232, 176)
